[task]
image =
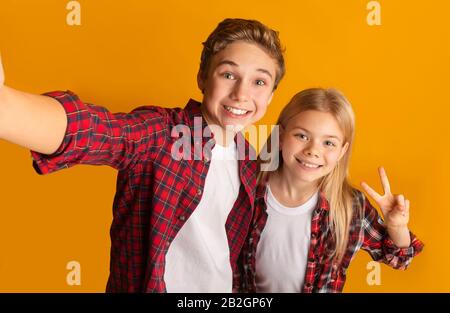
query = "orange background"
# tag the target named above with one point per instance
(130, 53)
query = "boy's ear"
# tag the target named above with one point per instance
(200, 82)
(270, 98)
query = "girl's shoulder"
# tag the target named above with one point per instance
(361, 203)
(358, 196)
(362, 208)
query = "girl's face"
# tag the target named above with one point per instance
(311, 145)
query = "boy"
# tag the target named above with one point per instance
(178, 223)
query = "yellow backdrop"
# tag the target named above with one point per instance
(129, 53)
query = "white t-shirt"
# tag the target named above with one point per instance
(282, 251)
(198, 260)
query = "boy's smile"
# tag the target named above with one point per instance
(239, 86)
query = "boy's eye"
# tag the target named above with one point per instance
(260, 82)
(228, 76)
(330, 143)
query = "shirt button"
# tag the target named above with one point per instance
(182, 218)
(199, 191)
(167, 244)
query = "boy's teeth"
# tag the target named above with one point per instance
(235, 111)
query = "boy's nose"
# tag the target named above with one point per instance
(240, 92)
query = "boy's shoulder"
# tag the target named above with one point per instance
(172, 116)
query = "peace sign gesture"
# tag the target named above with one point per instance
(395, 208)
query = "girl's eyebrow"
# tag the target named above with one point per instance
(326, 136)
(228, 62)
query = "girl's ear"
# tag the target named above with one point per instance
(281, 131)
(344, 150)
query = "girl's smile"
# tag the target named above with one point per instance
(308, 165)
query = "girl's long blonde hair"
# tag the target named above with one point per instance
(335, 186)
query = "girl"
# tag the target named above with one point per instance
(309, 221)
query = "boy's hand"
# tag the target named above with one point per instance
(395, 208)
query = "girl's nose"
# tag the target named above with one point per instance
(311, 151)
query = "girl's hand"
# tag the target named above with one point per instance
(395, 208)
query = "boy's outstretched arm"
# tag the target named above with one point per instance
(32, 121)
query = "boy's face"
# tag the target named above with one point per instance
(239, 85)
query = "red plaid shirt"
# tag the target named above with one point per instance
(322, 274)
(156, 194)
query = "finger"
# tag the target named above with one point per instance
(404, 210)
(406, 207)
(400, 202)
(384, 180)
(372, 193)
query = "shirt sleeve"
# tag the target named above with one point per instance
(378, 243)
(96, 136)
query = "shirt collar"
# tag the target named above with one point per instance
(261, 195)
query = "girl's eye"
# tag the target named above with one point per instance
(302, 136)
(330, 143)
(260, 82)
(228, 76)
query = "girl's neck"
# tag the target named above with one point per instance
(290, 191)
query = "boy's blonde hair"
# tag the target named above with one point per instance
(335, 186)
(251, 31)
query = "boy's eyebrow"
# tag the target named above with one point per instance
(234, 64)
(265, 72)
(327, 136)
